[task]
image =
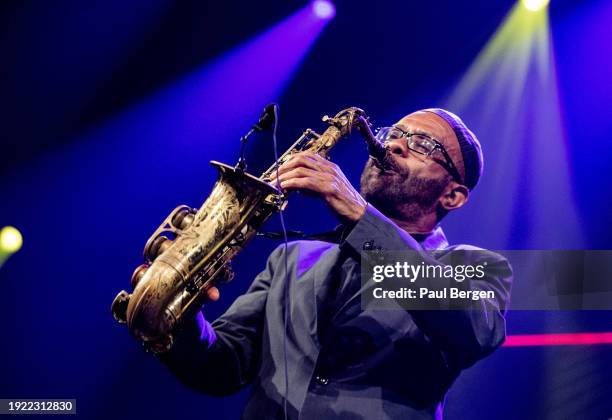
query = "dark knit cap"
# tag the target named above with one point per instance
(468, 143)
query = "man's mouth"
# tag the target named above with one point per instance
(382, 169)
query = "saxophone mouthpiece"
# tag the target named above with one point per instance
(376, 149)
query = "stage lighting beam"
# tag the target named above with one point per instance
(323, 9)
(509, 94)
(535, 5)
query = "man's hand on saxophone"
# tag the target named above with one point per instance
(307, 171)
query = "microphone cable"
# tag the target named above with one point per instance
(287, 306)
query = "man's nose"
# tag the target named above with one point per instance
(397, 147)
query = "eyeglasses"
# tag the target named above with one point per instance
(422, 144)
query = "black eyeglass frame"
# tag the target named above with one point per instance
(450, 165)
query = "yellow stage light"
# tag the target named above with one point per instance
(509, 94)
(10, 240)
(535, 5)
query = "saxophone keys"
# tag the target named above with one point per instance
(138, 274)
(119, 307)
(227, 274)
(184, 217)
(157, 247)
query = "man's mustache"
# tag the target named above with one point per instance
(388, 164)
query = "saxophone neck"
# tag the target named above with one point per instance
(356, 118)
(340, 126)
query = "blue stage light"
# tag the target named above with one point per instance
(323, 9)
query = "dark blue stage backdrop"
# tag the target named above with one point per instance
(110, 112)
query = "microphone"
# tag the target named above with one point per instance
(267, 118)
(266, 121)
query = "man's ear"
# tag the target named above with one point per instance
(455, 195)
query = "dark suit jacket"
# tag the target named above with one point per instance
(343, 361)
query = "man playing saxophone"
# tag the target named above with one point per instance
(344, 361)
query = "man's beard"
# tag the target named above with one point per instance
(400, 194)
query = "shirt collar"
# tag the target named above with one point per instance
(436, 239)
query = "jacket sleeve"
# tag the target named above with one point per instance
(221, 358)
(464, 335)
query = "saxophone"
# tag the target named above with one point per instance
(192, 249)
